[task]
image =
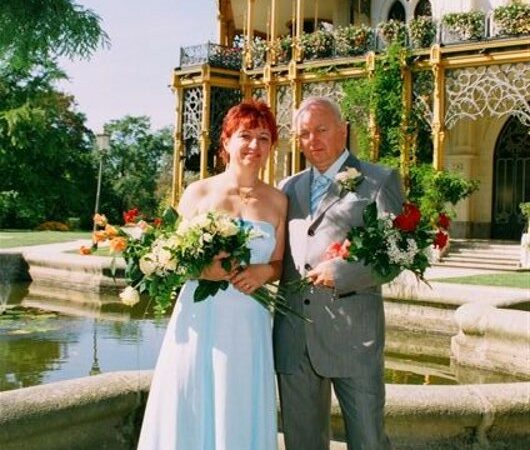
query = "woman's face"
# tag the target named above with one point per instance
(249, 146)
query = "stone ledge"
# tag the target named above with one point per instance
(104, 411)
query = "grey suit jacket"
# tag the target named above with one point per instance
(348, 321)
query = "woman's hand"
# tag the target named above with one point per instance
(252, 277)
(216, 272)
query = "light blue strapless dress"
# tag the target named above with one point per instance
(213, 387)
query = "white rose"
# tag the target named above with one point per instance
(135, 232)
(227, 228)
(148, 264)
(166, 260)
(207, 237)
(130, 296)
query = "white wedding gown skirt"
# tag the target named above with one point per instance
(213, 386)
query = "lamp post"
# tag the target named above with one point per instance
(102, 146)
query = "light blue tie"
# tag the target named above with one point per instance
(319, 187)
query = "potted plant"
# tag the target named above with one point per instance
(393, 31)
(353, 40)
(465, 26)
(422, 31)
(282, 47)
(258, 51)
(512, 20)
(317, 45)
(525, 238)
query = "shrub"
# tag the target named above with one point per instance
(52, 225)
(438, 191)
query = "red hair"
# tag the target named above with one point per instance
(249, 114)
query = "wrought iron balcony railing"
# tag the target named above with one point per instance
(213, 54)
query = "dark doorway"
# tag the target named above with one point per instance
(511, 180)
(397, 12)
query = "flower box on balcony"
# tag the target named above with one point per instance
(353, 40)
(392, 31)
(319, 44)
(463, 26)
(422, 32)
(511, 20)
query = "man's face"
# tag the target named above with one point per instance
(321, 136)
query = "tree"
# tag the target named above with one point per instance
(41, 29)
(137, 159)
(46, 166)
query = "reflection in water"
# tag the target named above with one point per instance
(52, 335)
(45, 339)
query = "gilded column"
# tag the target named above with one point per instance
(296, 87)
(372, 119)
(178, 144)
(249, 37)
(438, 110)
(299, 30)
(204, 139)
(406, 136)
(272, 48)
(270, 84)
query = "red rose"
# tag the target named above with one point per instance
(131, 215)
(444, 221)
(333, 250)
(337, 250)
(157, 221)
(440, 239)
(409, 219)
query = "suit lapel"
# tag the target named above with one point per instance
(335, 192)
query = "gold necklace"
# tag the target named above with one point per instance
(245, 194)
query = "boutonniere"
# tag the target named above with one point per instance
(349, 179)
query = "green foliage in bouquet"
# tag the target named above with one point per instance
(391, 245)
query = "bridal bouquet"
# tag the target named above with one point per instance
(389, 244)
(183, 254)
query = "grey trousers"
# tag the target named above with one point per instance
(305, 399)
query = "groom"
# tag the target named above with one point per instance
(343, 346)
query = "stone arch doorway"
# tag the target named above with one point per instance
(511, 180)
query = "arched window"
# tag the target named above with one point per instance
(397, 12)
(423, 8)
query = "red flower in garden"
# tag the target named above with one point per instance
(444, 221)
(409, 219)
(440, 239)
(337, 250)
(131, 215)
(157, 221)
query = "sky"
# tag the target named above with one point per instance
(132, 76)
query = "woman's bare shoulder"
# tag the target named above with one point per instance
(276, 197)
(192, 196)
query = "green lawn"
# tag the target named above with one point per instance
(16, 238)
(510, 279)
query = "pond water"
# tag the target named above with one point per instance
(52, 335)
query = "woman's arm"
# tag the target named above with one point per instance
(255, 275)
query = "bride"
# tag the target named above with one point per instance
(213, 386)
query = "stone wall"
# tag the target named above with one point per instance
(104, 412)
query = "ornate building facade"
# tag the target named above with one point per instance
(476, 61)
